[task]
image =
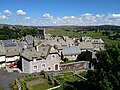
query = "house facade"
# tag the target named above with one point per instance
(98, 44)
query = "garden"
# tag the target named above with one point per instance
(37, 81)
(66, 77)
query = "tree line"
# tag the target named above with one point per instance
(16, 32)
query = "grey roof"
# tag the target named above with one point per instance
(42, 52)
(100, 41)
(29, 39)
(72, 50)
(8, 43)
(12, 51)
(85, 45)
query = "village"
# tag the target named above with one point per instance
(44, 52)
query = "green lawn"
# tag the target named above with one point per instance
(64, 77)
(83, 74)
(62, 32)
(42, 86)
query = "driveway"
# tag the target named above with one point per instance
(7, 78)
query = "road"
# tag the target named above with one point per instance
(7, 78)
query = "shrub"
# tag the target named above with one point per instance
(13, 84)
(29, 87)
(15, 87)
(65, 59)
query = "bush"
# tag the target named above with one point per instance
(51, 80)
(65, 59)
(29, 88)
(13, 84)
(15, 87)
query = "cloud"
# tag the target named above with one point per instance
(116, 15)
(47, 16)
(3, 17)
(113, 16)
(20, 12)
(7, 12)
(86, 19)
(27, 18)
(47, 19)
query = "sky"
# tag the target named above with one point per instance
(60, 12)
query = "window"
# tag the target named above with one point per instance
(35, 67)
(34, 60)
(53, 57)
(49, 68)
(43, 65)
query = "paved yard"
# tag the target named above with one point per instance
(6, 78)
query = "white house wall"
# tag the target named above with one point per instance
(10, 59)
(2, 58)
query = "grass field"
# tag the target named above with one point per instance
(92, 34)
(66, 77)
(41, 86)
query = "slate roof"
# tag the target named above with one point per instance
(12, 51)
(72, 50)
(98, 41)
(8, 43)
(29, 39)
(33, 53)
(85, 45)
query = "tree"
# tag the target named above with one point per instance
(106, 75)
(82, 57)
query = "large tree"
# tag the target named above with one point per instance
(106, 73)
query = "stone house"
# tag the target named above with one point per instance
(40, 58)
(71, 52)
(12, 55)
(98, 44)
(2, 56)
(9, 53)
